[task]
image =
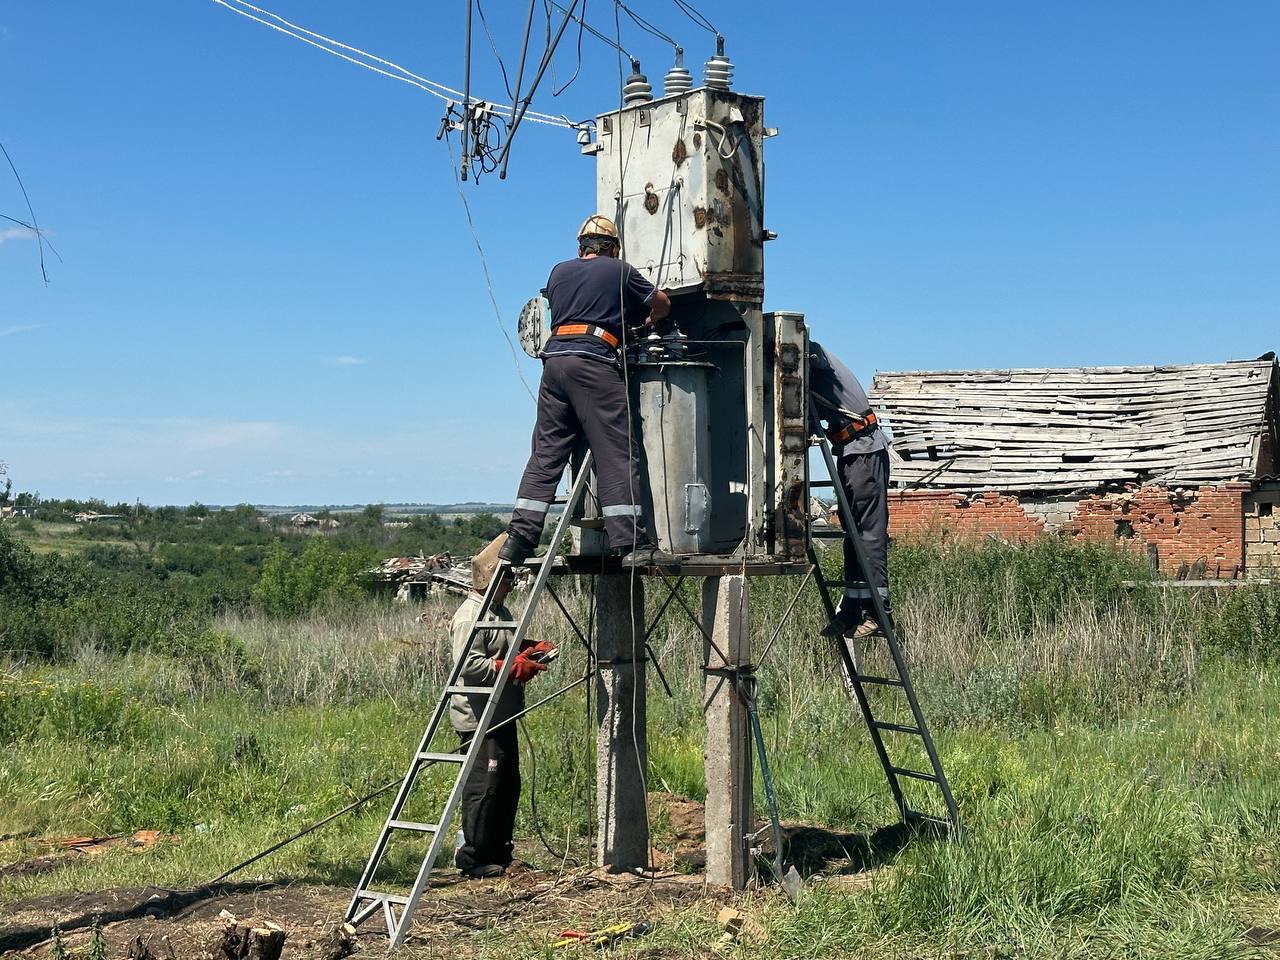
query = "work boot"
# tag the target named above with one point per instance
(648, 555)
(484, 871)
(516, 550)
(869, 627)
(846, 620)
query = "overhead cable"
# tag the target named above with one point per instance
(577, 68)
(34, 225)
(645, 25)
(696, 16)
(594, 32)
(484, 267)
(494, 47)
(403, 75)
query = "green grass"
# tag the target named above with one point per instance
(1118, 782)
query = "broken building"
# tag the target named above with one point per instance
(1178, 461)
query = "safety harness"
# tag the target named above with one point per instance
(585, 329)
(854, 428)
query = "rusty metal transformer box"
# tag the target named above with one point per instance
(683, 178)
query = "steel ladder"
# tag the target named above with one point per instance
(858, 681)
(397, 910)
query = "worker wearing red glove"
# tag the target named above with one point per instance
(492, 790)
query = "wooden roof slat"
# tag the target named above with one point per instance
(1034, 427)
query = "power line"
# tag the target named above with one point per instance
(404, 75)
(696, 16)
(494, 47)
(555, 92)
(484, 266)
(34, 225)
(593, 31)
(645, 25)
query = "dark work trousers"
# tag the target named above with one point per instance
(489, 801)
(865, 480)
(579, 397)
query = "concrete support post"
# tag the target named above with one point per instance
(622, 752)
(730, 812)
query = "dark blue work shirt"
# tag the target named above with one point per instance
(604, 291)
(837, 397)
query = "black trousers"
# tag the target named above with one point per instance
(580, 397)
(864, 478)
(489, 801)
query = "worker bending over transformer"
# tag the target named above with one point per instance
(492, 790)
(594, 299)
(862, 456)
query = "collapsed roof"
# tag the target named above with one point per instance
(1081, 427)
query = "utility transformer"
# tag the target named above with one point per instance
(721, 397)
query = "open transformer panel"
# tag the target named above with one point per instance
(721, 397)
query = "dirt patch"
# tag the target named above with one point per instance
(456, 918)
(526, 902)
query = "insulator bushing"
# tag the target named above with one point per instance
(637, 89)
(678, 79)
(717, 72)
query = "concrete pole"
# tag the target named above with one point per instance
(622, 752)
(730, 811)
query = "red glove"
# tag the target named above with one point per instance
(539, 650)
(524, 669)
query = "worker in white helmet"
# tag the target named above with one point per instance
(595, 299)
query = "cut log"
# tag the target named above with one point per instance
(239, 941)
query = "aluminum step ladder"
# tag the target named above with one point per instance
(397, 910)
(857, 681)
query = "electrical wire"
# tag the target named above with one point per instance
(494, 47)
(561, 855)
(578, 66)
(696, 16)
(403, 75)
(41, 233)
(641, 759)
(484, 266)
(34, 226)
(590, 29)
(646, 26)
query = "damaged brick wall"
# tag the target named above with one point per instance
(1196, 532)
(917, 512)
(1262, 529)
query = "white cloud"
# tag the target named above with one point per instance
(15, 233)
(19, 328)
(347, 360)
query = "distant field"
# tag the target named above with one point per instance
(62, 537)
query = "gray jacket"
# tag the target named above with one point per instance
(479, 669)
(837, 397)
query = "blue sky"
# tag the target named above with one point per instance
(269, 292)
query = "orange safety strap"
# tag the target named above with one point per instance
(580, 329)
(854, 427)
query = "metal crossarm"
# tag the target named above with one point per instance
(397, 910)
(857, 680)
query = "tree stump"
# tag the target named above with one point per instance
(241, 941)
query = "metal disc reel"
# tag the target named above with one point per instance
(534, 326)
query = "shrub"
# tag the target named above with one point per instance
(33, 708)
(1248, 623)
(319, 575)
